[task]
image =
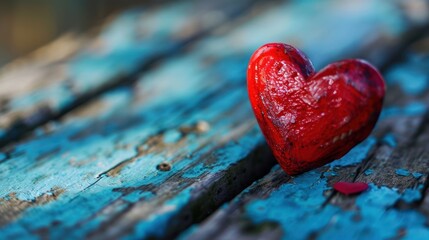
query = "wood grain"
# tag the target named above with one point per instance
(148, 160)
(394, 161)
(75, 69)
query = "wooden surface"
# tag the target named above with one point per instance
(145, 131)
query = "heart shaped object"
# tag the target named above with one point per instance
(310, 119)
(349, 188)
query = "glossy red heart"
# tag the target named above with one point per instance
(308, 118)
(348, 188)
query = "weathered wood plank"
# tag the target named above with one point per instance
(394, 160)
(75, 69)
(141, 161)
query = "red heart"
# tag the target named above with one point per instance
(350, 188)
(310, 119)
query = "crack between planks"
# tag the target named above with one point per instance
(130, 206)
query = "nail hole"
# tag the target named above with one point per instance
(164, 167)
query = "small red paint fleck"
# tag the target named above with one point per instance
(349, 188)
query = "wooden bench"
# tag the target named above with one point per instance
(144, 130)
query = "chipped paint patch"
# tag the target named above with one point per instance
(11, 206)
(412, 195)
(412, 109)
(228, 154)
(390, 140)
(368, 172)
(135, 196)
(160, 218)
(172, 136)
(297, 208)
(411, 76)
(329, 174)
(417, 175)
(293, 206)
(402, 172)
(357, 154)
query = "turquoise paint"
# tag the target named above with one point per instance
(297, 208)
(2, 156)
(154, 224)
(329, 174)
(411, 76)
(101, 147)
(100, 150)
(412, 109)
(379, 219)
(138, 195)
(402, 172)
(368, 172)
(303, 15)
(195, 172)
(227, 155)
(411, 195)
(117, 51)
(417, 175)
(357, 154)
(293, 206)
(188, 232)
(172, 136)
(390, 140)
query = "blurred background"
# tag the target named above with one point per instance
(27, 24)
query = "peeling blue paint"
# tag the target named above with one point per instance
(172, 136)
(368, 172)
(138, 195)
(111, 139)
(293, 206)
(2, 156)
(228, 155)
(411, 195)
(412, 109)
(390, 140)
(402, 172)
(297, 208)
(154, 225)
(357, 154)
(117, 51)
(329, 174)
(412, 77)
(417, 174)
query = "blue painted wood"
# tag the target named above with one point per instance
(394, 160)
(149, 160)
(71, 71)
